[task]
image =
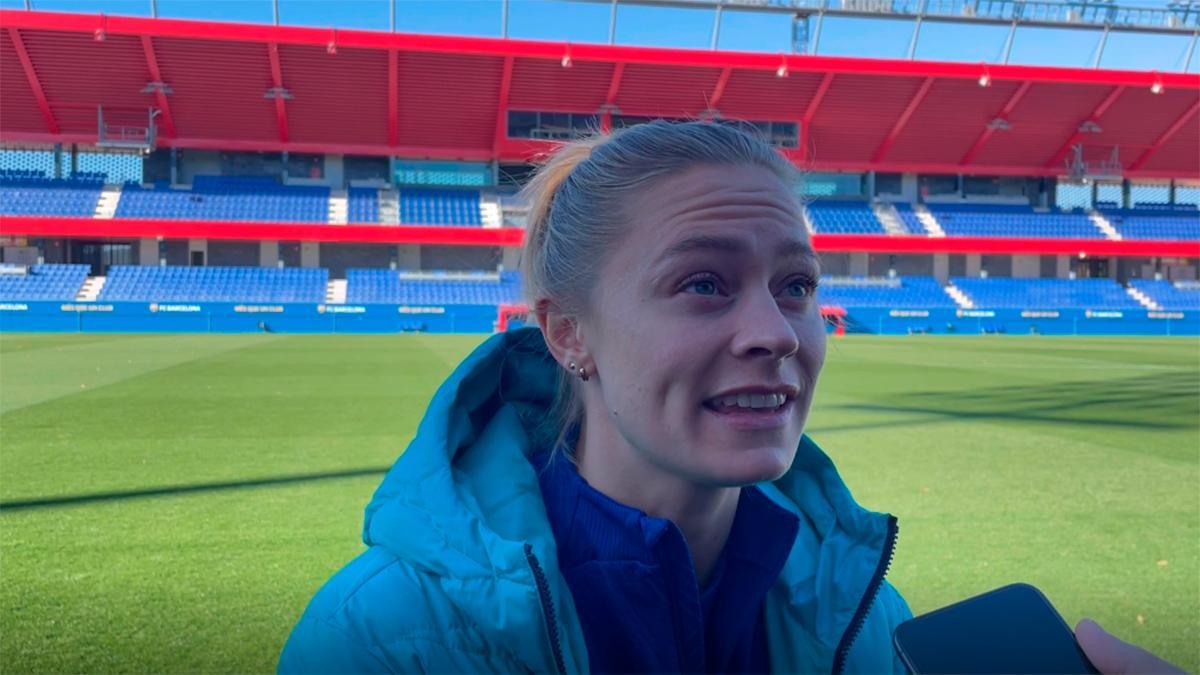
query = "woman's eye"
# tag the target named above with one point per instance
(704, 286)
(801, 288)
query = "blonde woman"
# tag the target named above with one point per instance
(627, 487)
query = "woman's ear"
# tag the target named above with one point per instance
(563, 334)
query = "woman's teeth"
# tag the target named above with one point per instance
(750, 401)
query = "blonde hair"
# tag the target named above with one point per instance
(578, 200)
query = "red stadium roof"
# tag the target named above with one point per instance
(361, 92)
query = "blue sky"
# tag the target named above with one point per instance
(670, 27)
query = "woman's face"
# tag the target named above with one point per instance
(705, 330)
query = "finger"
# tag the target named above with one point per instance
(1103, 650)
(1113, 656)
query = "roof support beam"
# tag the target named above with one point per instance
(277, 80)
(614, 84)
(1166, 136)
(1003, 114)
(1094, 118)
(393, 102)
(902, 121)
(160, 95)
(610, 97)
(502, 104)
(34, 83)
(810, 112)
(719, 90)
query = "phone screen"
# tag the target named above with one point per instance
(1013, 629)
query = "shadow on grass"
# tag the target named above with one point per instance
(1161, 401)
(72, 500)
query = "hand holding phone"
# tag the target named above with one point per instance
(1013, 629)
(1114, 656)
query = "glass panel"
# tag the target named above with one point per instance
(937, 185)
(521, 124)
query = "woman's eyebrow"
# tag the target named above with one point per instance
(734, 245)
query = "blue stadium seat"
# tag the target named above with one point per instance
(908, 218)
(367, 286)
(42, 282)
(844, 217)
(901, 292)
(259, 198)
(990, 220)
(1003, 293)
(1170, 295)
(428, 206)
(1156, 222)
(30, 193)
(363, 205)
(215, 284)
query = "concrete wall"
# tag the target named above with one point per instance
(462, 258)
(1048, 266)
(958, 265)
(194, 163)
(310, 254)
(176, 251)
(909, 187)
(879, 264)
(268, 253)
(147, 251)
(1026, 266)
(835, 264)
(408, 257)
(974, 264)
(289, 253)
(20, 255)
(1062, 266)
(233, 254)
(997, 265)
(510, 257)
(197, 246)
(859, 264)
(941, 267)
(337, 257)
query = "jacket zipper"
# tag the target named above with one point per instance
(860, 615)
(543, 589)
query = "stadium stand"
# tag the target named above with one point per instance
(908, 218)
(41, 282)
(227, 198)
(431, 288)
(1163, 222)
(31, 193)
(1170, 295)
(440, 207)
(844, 217)
(215, 284)
(979, 220)
(363, 205)
(997, 293)
(915, 291)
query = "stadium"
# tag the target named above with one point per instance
(213, 234)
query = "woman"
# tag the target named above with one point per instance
(627, 486)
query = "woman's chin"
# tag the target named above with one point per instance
(749, 467)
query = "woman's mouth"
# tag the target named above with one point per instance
(752, 411)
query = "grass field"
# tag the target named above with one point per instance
(170, 503)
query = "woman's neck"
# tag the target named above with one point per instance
(703, 513)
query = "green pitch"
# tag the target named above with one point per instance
(170, 503)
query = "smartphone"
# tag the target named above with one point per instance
(1013, 629)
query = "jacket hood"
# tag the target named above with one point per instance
(463, 504)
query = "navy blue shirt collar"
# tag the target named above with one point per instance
(635, 587)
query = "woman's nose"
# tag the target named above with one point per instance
(764, 330)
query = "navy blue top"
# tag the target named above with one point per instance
(635, 586)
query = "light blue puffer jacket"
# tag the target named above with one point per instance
(461, 571)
